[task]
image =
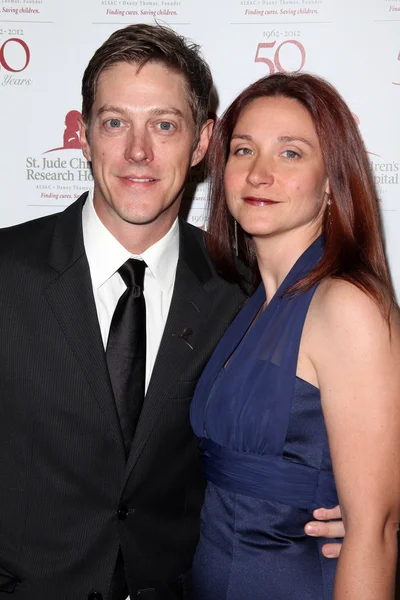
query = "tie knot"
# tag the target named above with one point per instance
(132, 273)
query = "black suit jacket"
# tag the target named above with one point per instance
(68, 497)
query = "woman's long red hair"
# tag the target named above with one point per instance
(353, 237)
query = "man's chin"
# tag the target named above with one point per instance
(143, 218)
(140, 220)
(159, 222)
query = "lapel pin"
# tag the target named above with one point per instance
(184, 335)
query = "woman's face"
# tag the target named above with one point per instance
(275, 178)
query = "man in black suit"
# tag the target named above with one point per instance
(85, 511)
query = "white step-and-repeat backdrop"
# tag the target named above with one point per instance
(46, 44)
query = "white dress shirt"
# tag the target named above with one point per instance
(106, 255)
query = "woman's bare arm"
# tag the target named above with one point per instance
(357, 362)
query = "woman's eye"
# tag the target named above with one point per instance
(291, 154)
(114, 123)
(243, 151)
(165, 126)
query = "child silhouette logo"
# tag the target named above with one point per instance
(71, 137)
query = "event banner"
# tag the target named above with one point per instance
(46, 44)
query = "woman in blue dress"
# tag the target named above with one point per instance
(300, 402)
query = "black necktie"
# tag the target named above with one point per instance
(126, 349)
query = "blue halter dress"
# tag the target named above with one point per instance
(265, 456)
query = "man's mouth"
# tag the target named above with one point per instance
(140, 179)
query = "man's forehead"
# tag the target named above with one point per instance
(152, 87)
(150, 78)
(153, 70)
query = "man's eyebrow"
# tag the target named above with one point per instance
(157, 112)
(167, 110)
(110, 108)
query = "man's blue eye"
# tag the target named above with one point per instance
(165, 126)
(114, 122)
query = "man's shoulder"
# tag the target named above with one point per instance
(193, 231)
(194, 251)
(28, 227)
(28, 235)
(24, 250)
(35, 236)
(205, 268)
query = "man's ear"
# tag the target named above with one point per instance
(83, 136)
(202, 145)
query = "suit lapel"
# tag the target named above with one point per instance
(72, 301)
(190, 302)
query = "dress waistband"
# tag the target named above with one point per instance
(271, 478)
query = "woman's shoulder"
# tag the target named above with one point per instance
(340, 307)
(348, 336)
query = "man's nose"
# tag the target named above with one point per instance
(138, 147)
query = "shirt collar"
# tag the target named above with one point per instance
(106, 255)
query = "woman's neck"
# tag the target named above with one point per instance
(277, 254)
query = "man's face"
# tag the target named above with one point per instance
(141, 144)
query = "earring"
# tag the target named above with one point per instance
(236, 245)
(329, 205)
